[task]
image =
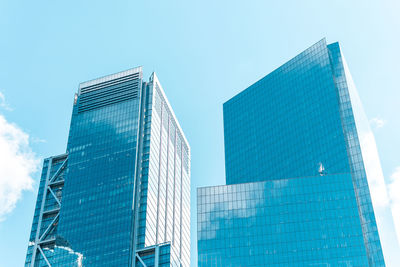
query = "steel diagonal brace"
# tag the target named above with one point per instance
(44, 256)
(54, 195)
(59, 170)
(49, 227)
(141, 261)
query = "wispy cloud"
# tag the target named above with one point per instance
(17, 164)
(3, 103)
(377, 122)
(36, 140)
(394, 194)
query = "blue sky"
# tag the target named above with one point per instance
(204, 52)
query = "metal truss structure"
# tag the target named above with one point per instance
(151, 253)
(50, 207)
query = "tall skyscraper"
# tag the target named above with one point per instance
(120, 195)
(299, 163)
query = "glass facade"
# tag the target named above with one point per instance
(287, 123)
(114, 203)
(298, 121)
(164, 212)
(310, 221)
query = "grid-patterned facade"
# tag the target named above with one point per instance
(287, 123)
(104, 194)
(309, 221)
(164, 211)
(297, 121)
(361, 189)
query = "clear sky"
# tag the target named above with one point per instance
(204, 52)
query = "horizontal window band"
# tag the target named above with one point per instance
(86, 108)
(106, 104)
(107, 83)
(109, 99)
(109, 96)
(134, 82)
(94, 87)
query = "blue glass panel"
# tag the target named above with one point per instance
(310, 221)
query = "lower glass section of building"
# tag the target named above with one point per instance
(310, 221)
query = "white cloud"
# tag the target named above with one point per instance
(79, 258)
(394, 194)
(3, 103)
(17, 164)
(377, 123)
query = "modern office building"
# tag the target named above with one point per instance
(120, 195)
(299, 165)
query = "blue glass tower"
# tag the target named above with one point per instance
(297, 191)
(120, 195)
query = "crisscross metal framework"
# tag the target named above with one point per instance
(43, 238)
(154, 250)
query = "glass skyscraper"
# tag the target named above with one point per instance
(299, 162)
(120, 195)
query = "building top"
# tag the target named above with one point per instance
(288, 123)
(85, 87)
(153, 78)
(306, 52)
(110, 77)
